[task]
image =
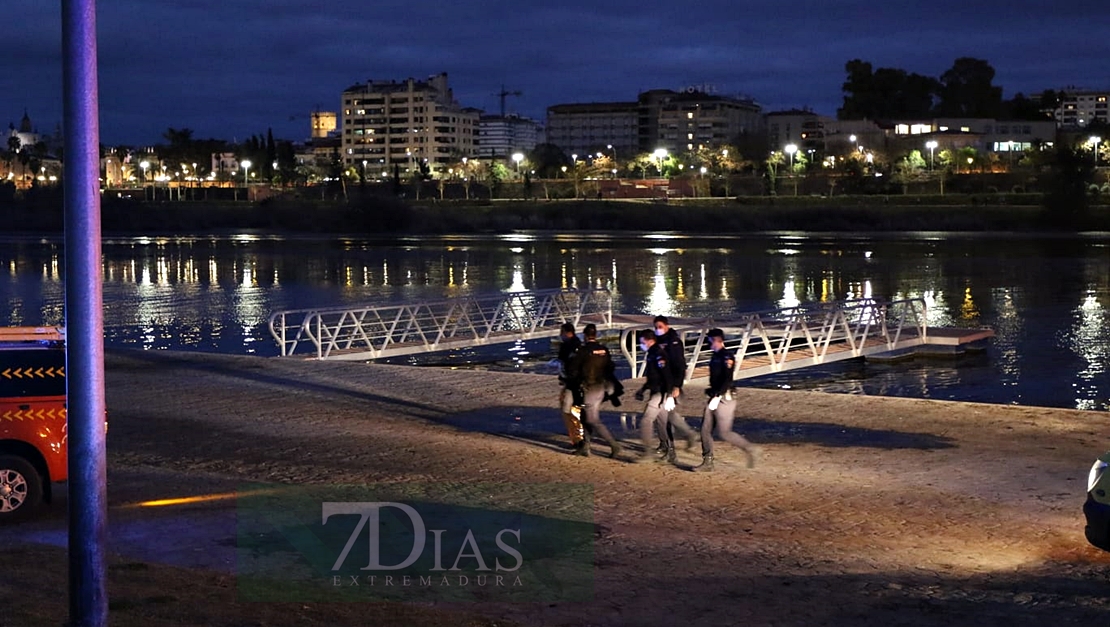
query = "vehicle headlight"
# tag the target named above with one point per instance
(1097, 469)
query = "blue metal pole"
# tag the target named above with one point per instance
(88, 515)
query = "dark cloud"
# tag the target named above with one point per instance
(234, 68)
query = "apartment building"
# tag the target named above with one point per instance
(821, 134)
(407, 123)
(592, 127)
(679, 121)
(1079, 107)
(501, 136)
(687, 120)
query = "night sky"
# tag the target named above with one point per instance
(232, 68)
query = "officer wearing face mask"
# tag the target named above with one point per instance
(567, 348)
(721, 408)
(673, 348)
(658, 388)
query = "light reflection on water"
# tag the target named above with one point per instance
(1047, 299)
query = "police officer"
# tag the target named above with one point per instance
(675, 351)
(593, 369)
(721, 408)
(567, 348)
(659, 387)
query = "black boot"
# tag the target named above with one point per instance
(706, 464)
(669, 456)
(582, 449)
(615, 449)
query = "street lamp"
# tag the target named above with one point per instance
(517, 158)
(790, 150)
(1095, 139)
(931, 145)
(144, 165)
(246, 166)
(660, 154)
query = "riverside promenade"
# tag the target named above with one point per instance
(862, 510)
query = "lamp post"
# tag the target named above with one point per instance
(932, 146)
(1095, 140)
(517, 158)
(246, 167)
(790, 150)
(660, 154)
(144, 165)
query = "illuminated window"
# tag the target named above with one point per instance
(690, 116)
(901, 129)
(921, 129)
(964, 129)
(944, 128)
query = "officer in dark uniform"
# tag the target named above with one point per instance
(659, 386)
(592, 369)
(721, 408)
(676, 359)
(567, 348)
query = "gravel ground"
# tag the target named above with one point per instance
(861, 511)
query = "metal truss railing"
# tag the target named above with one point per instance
(811, 334)
(371, 332)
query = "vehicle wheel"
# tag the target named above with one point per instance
(20, 488)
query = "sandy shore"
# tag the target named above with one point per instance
(862, 510)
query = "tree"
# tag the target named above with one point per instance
(885, 93)
(771, 170)
(1021, 108)
(967, 91)
(642, 162)
(1071, 172)
(908, 169)
(548, 160)
(13, 149)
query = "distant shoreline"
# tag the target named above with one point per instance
(380, 216)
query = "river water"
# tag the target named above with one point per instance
(1047, 298)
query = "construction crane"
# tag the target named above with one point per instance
(504, 94)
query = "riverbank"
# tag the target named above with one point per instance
(862, 510)
(386, 215)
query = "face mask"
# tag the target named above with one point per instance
(658, 332)
(643, 346)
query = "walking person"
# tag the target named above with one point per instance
(592, 369)
(675, 351)
(658, 387)
(568, 346)
(721, 409)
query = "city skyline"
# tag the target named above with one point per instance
(230, 71)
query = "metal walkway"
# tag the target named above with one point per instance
(808, 335)
(372, 332)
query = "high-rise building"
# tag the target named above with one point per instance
(501, 136)
(1079, 107)
(591, 127)
(389, 123)
(691, 119)
(680, 121)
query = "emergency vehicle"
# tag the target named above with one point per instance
(32, 417)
